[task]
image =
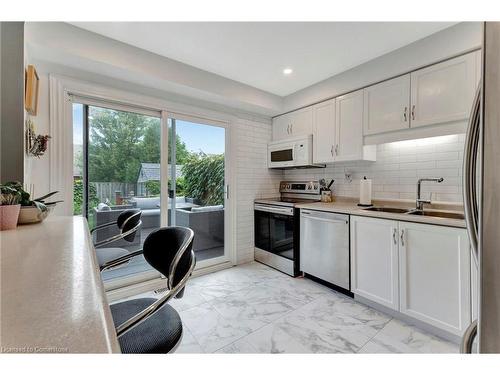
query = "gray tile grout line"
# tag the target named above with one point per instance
(371, 338)
(195, 339)
(272, 322)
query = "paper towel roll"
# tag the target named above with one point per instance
(365, 192)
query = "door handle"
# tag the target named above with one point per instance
(395, 236)
(402, 237)
(468, 338)
(469, 175)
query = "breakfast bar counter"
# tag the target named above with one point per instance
(52, 295)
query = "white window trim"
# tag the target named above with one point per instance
(61, 88)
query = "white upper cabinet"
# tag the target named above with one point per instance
(293, 124)
(374, 260)
(387, 106)
(443, 92)
(435, 275)
(324, 137)
(281, 128)
(349, 129)
(301, 122)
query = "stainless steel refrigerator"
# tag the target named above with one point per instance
(482, 196)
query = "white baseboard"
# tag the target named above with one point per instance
(417, 323)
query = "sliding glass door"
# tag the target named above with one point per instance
(197, 189)
(119, 156)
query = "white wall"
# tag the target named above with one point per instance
(38, 169)
(253, 180)
(450, 42)
(397, 169)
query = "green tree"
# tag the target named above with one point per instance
(150, 148)
(115, 144)
(121, 141)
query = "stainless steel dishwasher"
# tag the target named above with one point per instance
(324, 246)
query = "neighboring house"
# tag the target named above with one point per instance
(151, 172)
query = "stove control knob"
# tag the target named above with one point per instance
(288, 186)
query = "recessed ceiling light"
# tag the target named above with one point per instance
(287, 71)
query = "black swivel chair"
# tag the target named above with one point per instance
(128, 223)
(149, 325)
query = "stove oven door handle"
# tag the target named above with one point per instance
(274, 210)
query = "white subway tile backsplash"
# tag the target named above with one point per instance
(253, 180)
(397, 169)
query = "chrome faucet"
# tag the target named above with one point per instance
(420, 202)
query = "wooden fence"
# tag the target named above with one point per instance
(107, 190)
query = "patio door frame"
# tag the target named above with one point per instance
(63, 90)
(229, 209)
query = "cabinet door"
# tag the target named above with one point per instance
(301, 122)
(374, 260)
(435, 275)
(387, 106)
(443, 92)
(349, 126)
(281, 128)
(324, 132)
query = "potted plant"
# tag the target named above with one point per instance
(32, 210)
(9, 207)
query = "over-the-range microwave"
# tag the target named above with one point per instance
(291, 153)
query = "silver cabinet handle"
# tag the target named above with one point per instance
(291, 128)
(288, 129)
(469, 174)
(468, 338)
(413, 112)
(405, 114)
(395, 236)
(337, 149)
(331, 150)
(402, 237)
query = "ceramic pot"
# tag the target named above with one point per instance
(32, 214)
(9, 215)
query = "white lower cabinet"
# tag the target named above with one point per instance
(374, 260)
(432, 264)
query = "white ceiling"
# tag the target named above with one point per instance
(256, 53)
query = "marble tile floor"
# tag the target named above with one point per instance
(252, 308)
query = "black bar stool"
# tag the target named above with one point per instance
(128, 222)
(148, 325)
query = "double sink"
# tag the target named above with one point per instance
(406, 211)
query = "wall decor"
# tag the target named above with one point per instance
(31, 86)
(36, 145)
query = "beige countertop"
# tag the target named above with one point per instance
(52, 296)
(349, 206)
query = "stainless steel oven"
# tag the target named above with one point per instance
(275, 239)
(277, 223)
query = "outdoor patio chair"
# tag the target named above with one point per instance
(128, 222)
(149, 325)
